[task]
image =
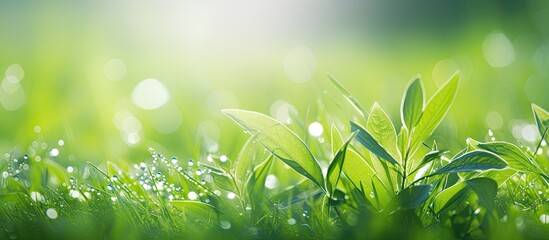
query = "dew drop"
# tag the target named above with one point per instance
(192, 195)
(174, 160)
(225, 224)
(191, 162)
(544, 218)
(70, 169)
(477, 211)
(315, 129)
(5, 174)
(74, 194)
(51, 213)
(231, 195)
(223, 158)
(292, 221)
(271, 182)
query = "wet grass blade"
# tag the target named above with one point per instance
(348, 96)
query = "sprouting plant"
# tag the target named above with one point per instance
(393, 176)
(374, 177)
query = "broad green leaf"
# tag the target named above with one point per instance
(412, 104)
(348, 96)
(381, 193)
(382, 130)
(358, 171)
(484, 188)
(368, 141)
(449, 196)
(299, 192)
(256, 183)
(249, 156)
(432, 155)
(410, 197)
(334, 170)
(515, 157)
(280, 141)
(57, 171)
(434, 111)
(542, 120)
(500, 176)
(473, 161)
(195, 210)
(244, 160)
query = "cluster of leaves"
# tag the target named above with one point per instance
(378, 183)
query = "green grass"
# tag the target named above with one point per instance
(363, 176)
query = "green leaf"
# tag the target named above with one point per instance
(12, 197)
(382, 130)
(366, 139)
(410, 197)
(297, 193)
(348, 96)
(434, 111)
(432, 155)
(197, 211)
(256, 183)
(500, 176)
(473, 161)
(280, 141)
(484, 188)
(542, 120)
(515, 157)
(334, 170)
(337, 139)
(412, 104)
(449, 197)
(358, 171)
(249, 156)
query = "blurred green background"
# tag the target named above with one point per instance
(111, 78)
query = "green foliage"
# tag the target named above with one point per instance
(434, 111)
(383, 183)
(368, 141)
(412, 104)
(280, 141)
(473, 161)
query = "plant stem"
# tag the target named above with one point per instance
(405, 167)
